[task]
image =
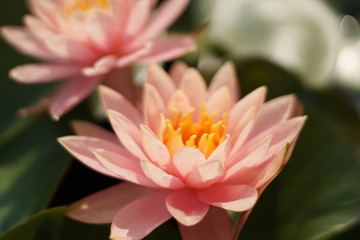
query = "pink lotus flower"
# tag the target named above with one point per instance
(82, 40)
(192, 153)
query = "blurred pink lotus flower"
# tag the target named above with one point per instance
(82, 40)
(192, 154)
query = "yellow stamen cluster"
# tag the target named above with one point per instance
(204, 135)
(85, 5)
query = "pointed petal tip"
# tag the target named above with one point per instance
(55, 117)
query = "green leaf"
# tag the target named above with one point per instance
(52, 224)
(31, 165)
(40, 226)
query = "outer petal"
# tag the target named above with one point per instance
(285, 131)
(247, 159)
(81, 147)
(231, 197)
(186, 207)
(168, 48)
(254, 99)
(274, 167)
(101, 207)
(160, 177)
(165, 15)
(37, 73)
(71, 93)
(126, 168)
(113, 100)
(216, 225)
(139, 218)
(26, 43)
(154, 148)
(193, 84)
(92, 130)
(274, 112)
(128, 133)
(158, 78)
(226, 77)
(241, 131)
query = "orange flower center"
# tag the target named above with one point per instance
(205, 135)
(85, 5)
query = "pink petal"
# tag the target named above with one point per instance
(113, 100)
(219, 102)
(185, 206)
(226, 77)
(168, 48)
(139, 14)
(273, 168)
(44, 9)
(222, 151)
(254, 99)
(81, 148)
(153, 106)
(26, 43)
(119, 12)
(241, 136)
(124, 167)
(244, 161)
(71, 93)
(216, 225)
(67, 48)
(154, 148)
(92, 130)
(101, 207)
(140, 217)
(186, 159)
(179, 101)
(39, 28)
(274, 112)
(37, 73)
(177, 71)
(101, 29)
(128, 133)
(133, 57)
(241, 131)
(165, 15)
(160, 177)
(285, 131)
(158, 78)
(101, 66)
(193, 84)
(288, 131)
(230, 197)
(206, 174)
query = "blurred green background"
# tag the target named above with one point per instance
(317, 196)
